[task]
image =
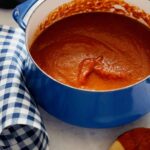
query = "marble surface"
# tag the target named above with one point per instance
(67, 137)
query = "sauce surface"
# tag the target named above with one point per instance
(95, 51)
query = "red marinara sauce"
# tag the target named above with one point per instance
(94, 51)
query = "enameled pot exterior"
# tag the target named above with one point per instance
(83, 108)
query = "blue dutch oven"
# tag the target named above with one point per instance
(98, 109)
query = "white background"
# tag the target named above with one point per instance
(67, 137)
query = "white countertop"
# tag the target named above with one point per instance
(67, 137)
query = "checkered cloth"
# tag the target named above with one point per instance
(21, 126)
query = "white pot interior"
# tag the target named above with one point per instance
(39, 15)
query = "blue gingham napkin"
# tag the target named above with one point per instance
(21, 126)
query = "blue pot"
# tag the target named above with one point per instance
(99, 109)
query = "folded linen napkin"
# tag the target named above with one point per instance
(21, 126)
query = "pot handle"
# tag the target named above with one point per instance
(22, 12)
(148, 80)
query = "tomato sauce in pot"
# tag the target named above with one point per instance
(94, 51)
